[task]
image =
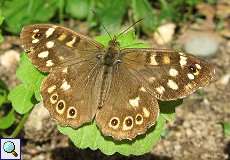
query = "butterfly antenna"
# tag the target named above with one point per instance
(129, 27)
(107, 31)
(102, 24)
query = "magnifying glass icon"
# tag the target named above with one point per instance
(9, 147)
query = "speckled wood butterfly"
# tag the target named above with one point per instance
(118, 88)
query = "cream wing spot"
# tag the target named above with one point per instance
(62, 37)
(35, 40)
(146, 112)
(134, 102)
(71, 112)
(49, 32)
(50, 44)
(70, 43)
(198, 66)
(49, 63)
(190, 76)
(114, 123)
(181, 53)
(166, 59)
(36, 31)
(60, 107)
(153, 60)
(127, 123)
(65, 85)
(171, 84)
(51, 89)
(173, 72)
(160, 89)
(43, 54)
(53, 98)
(183, 61)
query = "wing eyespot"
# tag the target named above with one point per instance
(114, 122)
(128, 123)
(60, 107)
(37, 35)
(72, 113)
(54, 98)
(193, 69)
(139, 119)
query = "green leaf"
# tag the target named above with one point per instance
(77, 8)
(3, 93)
(8, 120)
(226, 127)
(143, 10)
(127, 40)
(167, 109)
(90, 136)
(1, 21)
(1, 18)
(18, 13)
(29, 75)
(111, 13)
(25, 95)
(22, 98)
(194, 2)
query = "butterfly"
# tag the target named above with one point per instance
(117, 87)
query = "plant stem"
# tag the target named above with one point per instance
(19, 127)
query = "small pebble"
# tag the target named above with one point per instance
(39, 127)
(224, 80)
(164, 33)
(202, 44)
(9, 58)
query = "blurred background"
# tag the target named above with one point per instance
(201, 128)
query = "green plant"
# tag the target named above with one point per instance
(8, 115)
(1, 21)
(8, 118)
(18, 13)
(21, 102)
(89, 135)
(3, 93)
(226, 128)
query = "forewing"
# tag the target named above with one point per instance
(70, 93)
(49, 46)
(129, 109)
(168, 74)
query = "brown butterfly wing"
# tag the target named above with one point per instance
(129, 110)
(70, 94)
(69, 91)
(168, 74)
(49, 46)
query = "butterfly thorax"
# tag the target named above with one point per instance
(112, 54)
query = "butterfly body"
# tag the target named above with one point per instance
(116, 87)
